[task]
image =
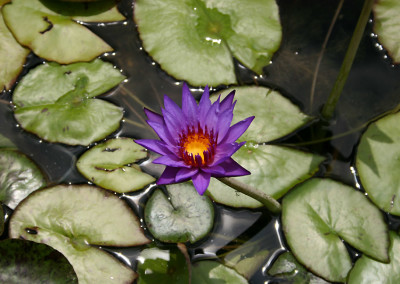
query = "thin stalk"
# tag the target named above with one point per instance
(269, 202)
(329, 107)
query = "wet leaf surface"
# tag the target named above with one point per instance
(29, 262)
(378, 155)
(212, 272)
(73, 218)
(182, 216)
(319, 213)
(56, 102)
(207, 34)
(19, 176)
(112, 165)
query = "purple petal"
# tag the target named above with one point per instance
(215, 170)
(204, 104)
(227, 101)
(152, 116)
(237, 130)
(185, 174)
(201, 180)
(154, 145)
(232, 169)
(223, 124)
(172, 161)
(162, 132)
(211, 118)
(225, 151)
(168, 176)
(173, 124)
(189, 106)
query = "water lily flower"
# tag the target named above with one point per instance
(197, 141)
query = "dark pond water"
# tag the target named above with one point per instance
(373, 88)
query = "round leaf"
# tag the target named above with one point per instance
(387, 26)
(275, 115)
(111, 165)
(54, 102)
(367, 270)
(181, 217)
(50, 35)
(28, 262)
(212, 272)
(377, 158)
(19, 176)
(207, 34)
(12, 56)
(319, 213)
(274, 170)
(71, 219)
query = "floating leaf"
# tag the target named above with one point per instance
(156, 265)
(19, 176)
(55, 102)
(274, 170)
(318, 214)
(28, 262)
(367, 270)
(290, 270)
(275, 115)
(377, 158)
(207, 34)
(387, 25)
(12, 56)
(212, 272)
(71, 219)
(182, 216)
(54, 34)
(111, 165)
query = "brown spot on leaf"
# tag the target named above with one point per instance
(49, 27)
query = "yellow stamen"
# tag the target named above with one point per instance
(196, 144)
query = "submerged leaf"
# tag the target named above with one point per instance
(55, 102)
(377, 162)
(28, 262)
(112, 165)
(207, 34)
(212, 272)
(181, 217)
(19, 176)
(319, 213)
(71, 219)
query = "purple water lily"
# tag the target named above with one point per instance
(197, 141)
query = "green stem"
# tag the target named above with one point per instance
(269, 202)
(329, 107)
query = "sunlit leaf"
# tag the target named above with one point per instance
(22, 261)
(366, 270)
(319, 213)
(12, 56)
(274, 170)
(387, 26)
(71, 219)
(112, 165)
(54, 36)
(55, 102)
(212, 272)
(182, 216)
(19, 176)
(377, 160)
(208, 34)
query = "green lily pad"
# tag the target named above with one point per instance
(73, 218)
(387, 26)
(182, 216)
(367, 270)
(319, 214)
(274, 170)
(377, 158)
(156, 265)
(212, 272)
(111, 165)
(287, 268)
(12, 56)
(28, 262)
(19, 176)
(275, 115)
(55, 102)
(6, 143)
(207, 34)
(54, 34)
